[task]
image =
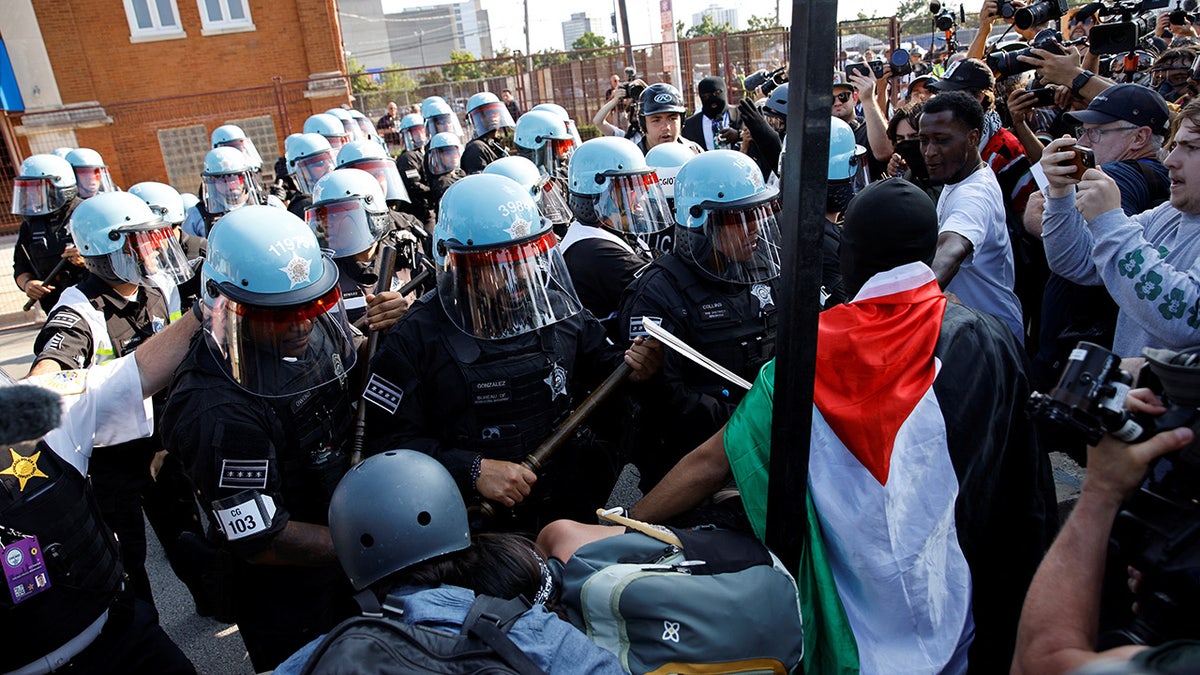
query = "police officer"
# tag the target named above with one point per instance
(717, 292)
(371, 157)
(353, 133)
(45, 194)
(488, 116)
(660, 115)
(134, 264)
(439, 117)
(478, 374)
(666, 159)
(232, 136)
(350, 218)
(411, 165)
(443, 165)
(91, 173)
(542, 138)
(259, 413)
(562, 114)
(229, 182)
(308, 157)
(617, 204)
(165, 201)
(328, 126)
(65, 606)
(545, 191)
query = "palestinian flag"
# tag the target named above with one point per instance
(890, 575)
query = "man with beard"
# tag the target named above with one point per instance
(715, 125)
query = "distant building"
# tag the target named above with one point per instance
(719, 16)
(581, 22)
(414, 37)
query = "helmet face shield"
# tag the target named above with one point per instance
(365, 128)
(552, 157)
(92, 180)
(228, 191)
(551, 202)
(151, 257)
(444, 160)
(737, 246)
(387, 174)
(336, 142)
(509, 290)
(308, 170)
(284, 351)
(442, 123)
(489, 117)
(247, 147)
(346, 227)
(414, 137)
(35, 197)
(634, 204)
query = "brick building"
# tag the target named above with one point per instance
(144, 82)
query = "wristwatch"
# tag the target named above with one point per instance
(1081, 81)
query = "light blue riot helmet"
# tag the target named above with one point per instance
(231, 135)
(62, 152)
(366, 128)
(189, 200)
(392, 511)
(43, 184)
(564, 116)
(328, 126)
(273, 315)
(91, 173)
(665, 159)
(439, 117)
(544, 189)
(726, 215)
(444, 154)
(542, 138)
(123, 241)
(487, 113)
(369, 156)
(228, 180)
(412, 130)
(348, 212)
(845, 159)
(348, 123)
(611, 185)
(162, 199)
(500, 272)
(308, 157)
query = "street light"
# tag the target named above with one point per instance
(421, 44)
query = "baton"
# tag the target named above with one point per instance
(387, 268)
(62, 263)
(538, 457)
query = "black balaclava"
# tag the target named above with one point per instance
(714, 106)
(888, 224)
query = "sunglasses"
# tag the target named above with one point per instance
(844, 96)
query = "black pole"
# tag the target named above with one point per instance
(805, 171)
(625, 35)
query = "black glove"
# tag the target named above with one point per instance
(764, 137)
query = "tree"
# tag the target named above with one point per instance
(504, 64)
(548, 57)
(758, 23)
(360, 81)
(708, 27)
(589, 45)
(462, 66)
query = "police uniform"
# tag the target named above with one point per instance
(65, 601)
(411, 165)
(258, 463)
(732, 324)
(356, 279)
(41, 241)
(441, 391)
(602, 264)
(479, 152)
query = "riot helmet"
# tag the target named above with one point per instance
(328, 126)
(412, 130)
(273, 315)
(348, 212)
(845, 160)
(660, 98)
(439, 117)
(228, 180)
(727, 218)
(231, 135)
(665, 159)
(62, 152)
(564, 116)
(445, 153)
(123, 241)
(392, 511)
(162, 199)
(499, 270)
(544, 189)
(91, 173)
(348, 124)
(542, 138)
(369, 156)
(366, 128)
(189, 200)
(308, 157)
(777, 102)
(43, 184)
(609, 175)
(487, 113)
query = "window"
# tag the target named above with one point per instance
(183, 150)
(261, 130)
(153, 20)
(225, 16)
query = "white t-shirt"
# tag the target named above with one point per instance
(974, 208)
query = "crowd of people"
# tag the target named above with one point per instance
(477, 304)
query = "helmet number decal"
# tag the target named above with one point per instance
(282, 246)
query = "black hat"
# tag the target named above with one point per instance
(888, 224)
(1130, 103)
(966, 74)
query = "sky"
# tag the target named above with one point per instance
(546, 16)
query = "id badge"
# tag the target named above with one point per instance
(244, 514)
(24, 569)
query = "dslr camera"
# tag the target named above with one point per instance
(1006, 63)
(1039, 12)
(1135, 26)
(766, 81)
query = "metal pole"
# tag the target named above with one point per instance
(805, 167)
(625, 35)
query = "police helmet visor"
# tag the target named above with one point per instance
(92, 180)
(345, 227)
(415, 138)
(247, 147)
(280, 351)
(574, 132)
(151, 258)
(308, 170)
(490, 117)
(735, 245)
(507, 290)
(444, 160)
(552, 157)
(550, 201)
(36, 197)
(441, 123)
(387, 174)
(352, 132)
(228, 191)
(365, 128)
(634, 204)
(336, 142)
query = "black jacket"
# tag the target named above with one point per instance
(693, 127)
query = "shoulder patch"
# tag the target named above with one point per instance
(636, 329)
(383, 394)
(63, 383)
(64, 318)
(244, 473)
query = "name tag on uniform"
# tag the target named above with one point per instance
(711, 311)
(24, 569)
(495, 391)
(244, 514)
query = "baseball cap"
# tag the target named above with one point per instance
(1131, 103)
(966, 74)
(839, 80)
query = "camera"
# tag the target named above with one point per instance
(1184, 13)
(1006, 8)
(945, 21)
(1128, 33)
(1039, 12)
(1007, 63)
(766, 81)
(899, 60)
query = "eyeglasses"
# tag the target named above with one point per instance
(1076, 22)
(1095, 134)
(844, 96)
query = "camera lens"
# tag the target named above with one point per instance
(1007, 10)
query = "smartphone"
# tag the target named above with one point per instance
(1084, 159)
(1043, 96)
(860, 68)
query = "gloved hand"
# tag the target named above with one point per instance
(765, 138)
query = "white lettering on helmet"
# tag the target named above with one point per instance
(664, 98)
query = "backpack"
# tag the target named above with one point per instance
(388, 646)
(719, 602)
